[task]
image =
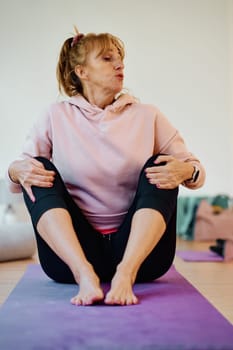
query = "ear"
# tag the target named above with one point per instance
(81, 72)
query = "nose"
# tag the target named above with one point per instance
(119, 65)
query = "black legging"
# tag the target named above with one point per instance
(105, 252)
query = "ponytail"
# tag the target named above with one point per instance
(68, 81)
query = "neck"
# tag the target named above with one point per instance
(101, 99)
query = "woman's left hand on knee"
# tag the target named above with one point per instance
(168, 175)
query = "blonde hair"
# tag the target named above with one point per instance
(74, 52)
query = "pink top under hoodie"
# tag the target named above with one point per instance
(99, 153)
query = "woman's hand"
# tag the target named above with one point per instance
(121, 102)
(169, 173)
(30, 172)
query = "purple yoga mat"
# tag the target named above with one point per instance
(171, 315)
(202, 256)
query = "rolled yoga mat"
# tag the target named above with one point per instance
(171, 315)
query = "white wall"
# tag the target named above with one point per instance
(179, 57)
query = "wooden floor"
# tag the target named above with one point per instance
(213, 279)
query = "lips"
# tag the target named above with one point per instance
(121, 76)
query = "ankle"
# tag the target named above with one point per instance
(84, 270)
(127, 271)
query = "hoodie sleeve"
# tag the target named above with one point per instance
(37, 143)
(169, 141)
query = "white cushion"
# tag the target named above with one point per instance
(17, 241)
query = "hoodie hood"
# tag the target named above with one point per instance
(94, 112)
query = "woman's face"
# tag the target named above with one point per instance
(104, 71)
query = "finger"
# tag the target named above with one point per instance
(45, 175)
(37, 163)
(163, 184)
(159, 178)
(40, 181)
(42, 169)
(167, 186)
(160, 185)
(163, 159)
(155, 169)
(155, 181)
(32, 179)
(41, 174)
(30, 193)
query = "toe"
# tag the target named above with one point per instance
(76, 301)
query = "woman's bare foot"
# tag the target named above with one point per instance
(90, 291)
(121, 292)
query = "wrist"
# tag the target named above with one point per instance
(193, 176)
(12, 174)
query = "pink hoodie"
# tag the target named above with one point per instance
(99, 153)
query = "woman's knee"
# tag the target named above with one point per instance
(46, 198)
(150, 196)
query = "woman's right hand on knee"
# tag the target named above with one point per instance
(31, 172)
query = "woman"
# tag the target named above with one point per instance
(100, 178)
